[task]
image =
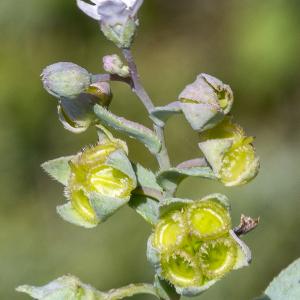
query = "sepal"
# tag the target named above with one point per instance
(134, 130)
(59, 169)
(164, 289)
(69, 214)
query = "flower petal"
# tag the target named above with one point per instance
(88, 9)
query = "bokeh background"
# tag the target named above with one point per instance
(253, 45)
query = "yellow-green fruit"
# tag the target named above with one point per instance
(90, 173)
(239, 163)
(218, 257)
(194, 243)
(208, 219)
(230, 153)
(169, 232)
(181, 269)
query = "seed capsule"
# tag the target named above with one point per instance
(230, 153)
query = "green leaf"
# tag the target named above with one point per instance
(286, 286)
(146, 207)
(58, 169)
(161, 114)
(171, 178)
(66, 287)
(165, 290)
(132, 129)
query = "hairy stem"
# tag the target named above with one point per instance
(162, 156)
(131, 290)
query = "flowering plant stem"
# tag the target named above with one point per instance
(162, 157)
(131, 290)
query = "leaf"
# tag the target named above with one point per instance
(146, 207)
(286, 285)
(165, 290)
(132, 129)
(161, 114)
(58, 169)
(171, 178)
(66, 287)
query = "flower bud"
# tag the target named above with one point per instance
(77, 114)
(114, 65)
(118, 18)
(193, 245)
(205, 102)
(230, 153)
(65, 79)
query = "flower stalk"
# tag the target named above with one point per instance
(163, 156)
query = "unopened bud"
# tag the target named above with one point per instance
(65, 79)
(114, 65)
(205, 102)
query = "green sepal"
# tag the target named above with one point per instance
(244, 255)
(171, 178)
(214, 151)
(161, 114)
(121, 35)
(66, 287)
(59, 169)
(170, 204)
(69, 214)
(145, 207)
(219, 198)
(202, 116)
(105, 206)
(134, 130)
(286, 285)
(119, 160)
(165, 290)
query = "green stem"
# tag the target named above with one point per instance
(131, 290)
(162, 156)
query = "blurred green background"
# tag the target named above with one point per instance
(252, 45)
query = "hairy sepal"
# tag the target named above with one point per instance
(59, 169)
(164, 289)
(69, 214)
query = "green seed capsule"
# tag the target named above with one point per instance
(217, 257)
(90, 173)
(169, 232)
(230, 153)
(208, 219)
(181, 269)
